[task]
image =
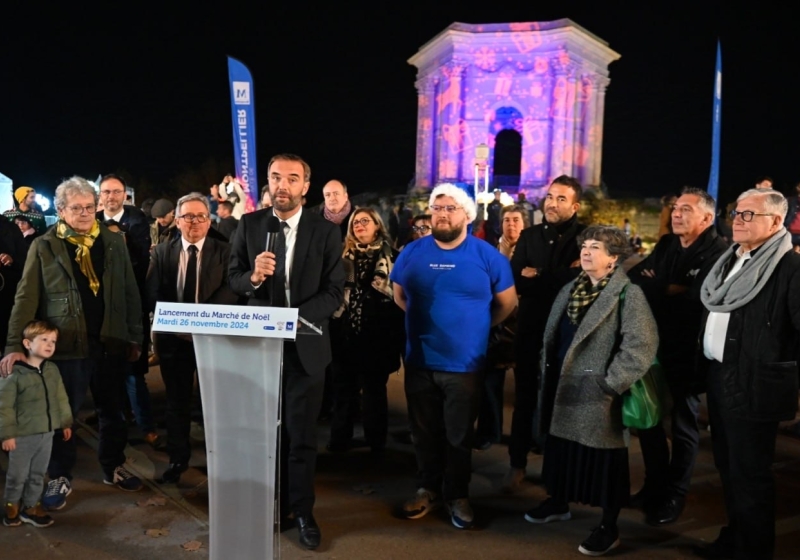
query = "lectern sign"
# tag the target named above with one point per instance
(235, 320)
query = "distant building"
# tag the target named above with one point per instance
(534, 92)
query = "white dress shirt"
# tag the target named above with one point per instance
(717, 323)
(291, 238)
(182, 268)
(117, 217)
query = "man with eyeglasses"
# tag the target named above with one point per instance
(305, 272)
(671, 278)
(453, 287)
(750, 338)
(191, 269)
(134, 225)
(545, 259)
(79, 276)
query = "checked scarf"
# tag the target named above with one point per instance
(583, 295)
(84, 243)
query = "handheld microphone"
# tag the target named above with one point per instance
(273, 228)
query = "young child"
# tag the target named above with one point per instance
(33, 403)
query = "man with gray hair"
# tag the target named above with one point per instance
(750, 339)
(191, 269)
(671, 278)
(78, 276)
(453, 288)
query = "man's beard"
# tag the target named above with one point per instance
(450, 234)
(287, 206)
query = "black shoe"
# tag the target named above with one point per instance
(173, 473)
(666, 512)
(600, 541)
(308, 529)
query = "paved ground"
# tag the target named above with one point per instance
(357, 494)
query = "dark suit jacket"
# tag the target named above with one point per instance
(227, 226)
(317, 276)
(162, 278)
(137, 237)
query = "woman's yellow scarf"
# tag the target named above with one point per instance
(84, 243)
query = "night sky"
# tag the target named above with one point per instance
(145, 90)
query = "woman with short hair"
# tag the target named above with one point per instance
(600, 338)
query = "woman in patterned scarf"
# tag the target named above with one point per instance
(597, 343)
(373, 329)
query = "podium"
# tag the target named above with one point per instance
(239, 352)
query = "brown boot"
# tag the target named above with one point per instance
(11, 518)
(36, 516)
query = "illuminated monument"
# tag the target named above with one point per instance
(536, 89)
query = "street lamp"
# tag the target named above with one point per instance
(481, 164)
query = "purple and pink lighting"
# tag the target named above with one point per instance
(545, 80)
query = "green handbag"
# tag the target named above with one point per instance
(642, 403)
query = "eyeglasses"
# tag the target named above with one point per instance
(78, 209)
(191, 218)
(449, 208)
(747, 215)
(421, 229)
(362, 222)
(115, 192)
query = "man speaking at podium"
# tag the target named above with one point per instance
(303, 270)
(189, 269)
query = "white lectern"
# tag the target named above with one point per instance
(239, 354)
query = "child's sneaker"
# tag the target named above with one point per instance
(36, 516)
(55, 495)
(124, 480)
(11, 518)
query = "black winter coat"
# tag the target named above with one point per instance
(762, 344)
(552, 253)
(678, 316)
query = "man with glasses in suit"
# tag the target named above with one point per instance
(191, 269)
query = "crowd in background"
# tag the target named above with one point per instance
(547, 297)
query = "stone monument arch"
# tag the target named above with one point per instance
(545, 80)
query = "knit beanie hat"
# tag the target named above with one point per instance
(22, 193)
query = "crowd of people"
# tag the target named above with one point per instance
(546, 296)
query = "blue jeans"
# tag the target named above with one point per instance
(104, 375)
(139, 397)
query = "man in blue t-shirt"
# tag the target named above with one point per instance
(453, 287)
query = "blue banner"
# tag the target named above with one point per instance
(243, 110)
(713, 178)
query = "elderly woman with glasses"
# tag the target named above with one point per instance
(599, 339)
(373, 333)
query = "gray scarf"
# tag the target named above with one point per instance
(723, 297)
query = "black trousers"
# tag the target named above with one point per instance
(442, 409)
(178, 366)
(348, 384)
(672, 476)
(105, 376)
(743, 453)
(526, 393)
(302, 398)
